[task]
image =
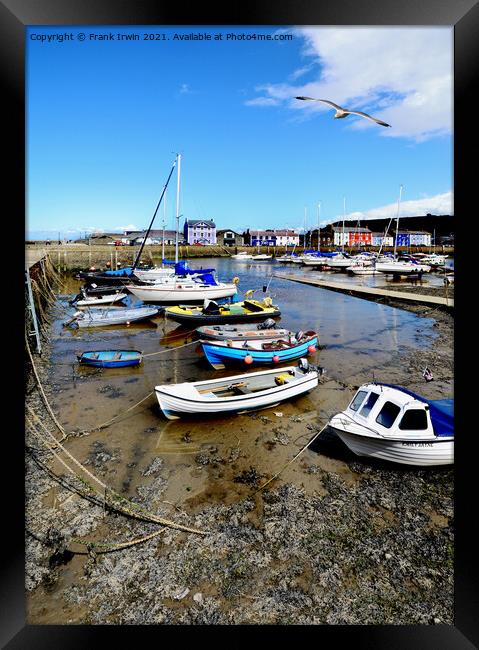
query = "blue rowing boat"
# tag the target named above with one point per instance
(111, 358)
(259, 351)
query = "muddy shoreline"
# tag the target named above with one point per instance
(334, 540)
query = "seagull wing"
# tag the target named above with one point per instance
(325, 101)
(369, 117)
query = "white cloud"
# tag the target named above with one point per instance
(438, 204)
(130, 226)
(185, 89)
(402, 75)
(262, 101)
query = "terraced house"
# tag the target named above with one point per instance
(200, 231)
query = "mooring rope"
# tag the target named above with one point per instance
(142, 514)
(152, 354)
(290, 461)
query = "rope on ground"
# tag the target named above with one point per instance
(47, 404)
(290, 461)
(102, 547)
(152, 354)
(123, 505)
(111, 420)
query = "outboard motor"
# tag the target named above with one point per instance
(299, 335)
(268, 324)
(303, 365)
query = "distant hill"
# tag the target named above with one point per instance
(442, 224)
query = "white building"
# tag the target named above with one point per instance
(378, 237)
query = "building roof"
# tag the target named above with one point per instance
(208, 222)
(413, 232)
(273, 233)
(347, 229)
(154, 234)
(380, 234)
(219, 232)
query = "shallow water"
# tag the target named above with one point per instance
(359, 340)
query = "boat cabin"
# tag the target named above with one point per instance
(394, 412)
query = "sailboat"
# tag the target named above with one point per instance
(341, 260)
(401, 267)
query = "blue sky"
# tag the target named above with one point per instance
(104, 119)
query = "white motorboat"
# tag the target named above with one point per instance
(102, 317)
(359, 269)
(182, 291)
(242, 256)
(396, 267)
(261, 257)
(250, 391)
(285, 259)
(87, 301)
(397, 425)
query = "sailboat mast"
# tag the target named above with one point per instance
(163, 238)
(135, 263)
(344, 215)
(397, 221)
(178, 157)
(319, 229)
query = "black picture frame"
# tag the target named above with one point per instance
(15, 15)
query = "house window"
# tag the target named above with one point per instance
(388, 414)
(414, 420)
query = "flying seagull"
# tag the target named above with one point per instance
(343, 112)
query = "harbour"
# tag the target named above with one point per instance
(205, 473)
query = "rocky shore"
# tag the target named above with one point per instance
(334, 540)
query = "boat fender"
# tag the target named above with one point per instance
(311, 349)
(275, 358)
(235, 279)
(248, 359)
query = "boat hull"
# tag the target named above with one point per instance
(106, 358)
(158, 293)
(120, 317)
(420, 452)
(243, 334)
(218, 355)
(248, 310)
(174, 406)
(102, 300)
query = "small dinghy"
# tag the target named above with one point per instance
(248, 310)
(257, 350)
(264, 331)
(111, 358)
(102, 317)
(236, 394)
(87, 301)
(395, 424)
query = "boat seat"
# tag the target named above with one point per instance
(117, 355)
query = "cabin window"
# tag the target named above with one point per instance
(358, 400)
(368, 404)
(388, 414)
(414, 420)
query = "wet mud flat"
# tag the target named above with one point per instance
(335, 539)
